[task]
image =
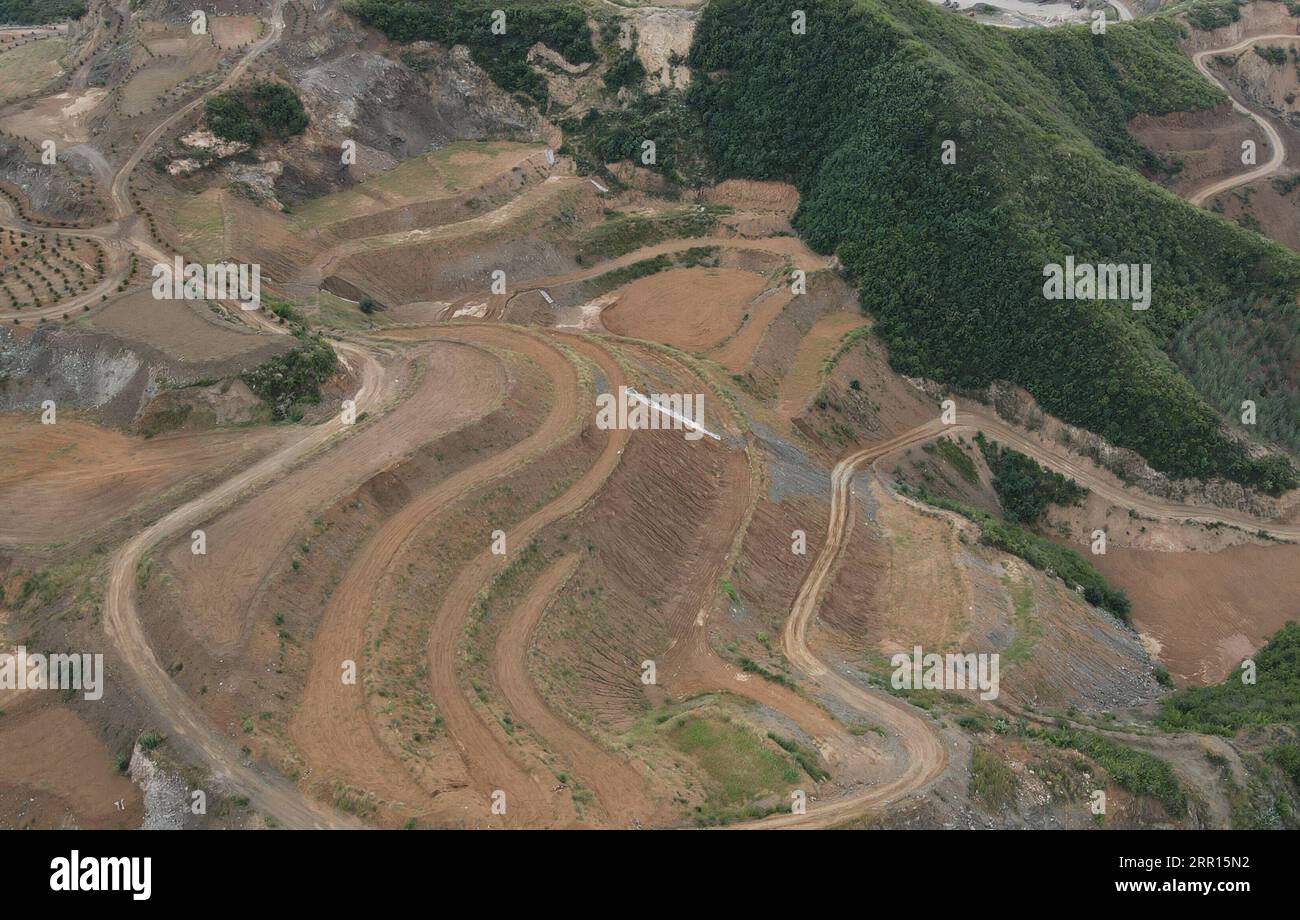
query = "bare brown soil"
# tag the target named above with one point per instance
(62, 482)
(58, 774)
(1208, 143)
(1201, 613)
(185, 330)
(482, 674)
(692, 308)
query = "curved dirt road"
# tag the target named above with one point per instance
(181, 717)
(1276, 161)
(618, 787)
(926, 754)
(923, 748)
(493, 766)
(331, 732)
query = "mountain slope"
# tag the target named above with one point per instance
(950, 258)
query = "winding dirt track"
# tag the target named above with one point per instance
(923, 748)
(490, 762)
(182, 718)
(1278, 158)
(618, 787)
(334, 733)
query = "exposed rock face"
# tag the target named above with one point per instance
(71, 369)
(395, 101)
(386, 105)
(125, 385)
(58, 192)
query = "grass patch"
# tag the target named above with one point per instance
(992, 782)
(623, 234)
(26, 69)
(1133, 771)
(741, 767)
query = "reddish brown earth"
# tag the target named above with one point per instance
(1203, 612)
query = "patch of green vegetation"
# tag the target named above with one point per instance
(1134, 771)
(628, 273)
(1287, 757)
(560, 25)
(284, 311)
(41, 585)
(742, 767)
(609, 136)
(40, 12)
(1274, 54)
(625, 71)
(1042, 554)
(750, 666)
(1224, 708)
(949, 258)
(150, 740)
(1208, 15)
(806, 759)
(1024, 488)
(1028, 629)
(1286, 186)
(992, 782)
(286, 380)
(957, 458)
(262, 109)
(623, 234)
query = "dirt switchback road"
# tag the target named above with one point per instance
(1276, 161)
(489, 761)
(925, 756)
(182, 719)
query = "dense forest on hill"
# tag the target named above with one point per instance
(39, 12)
(560, 25)
(949, 258)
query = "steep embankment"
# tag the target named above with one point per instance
(858, 113)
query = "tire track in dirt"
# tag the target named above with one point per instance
(331, 728)
(1085, 474)
(618, 787)
(180, 717)
(925, 755)
(528, 801)
(1278, 158)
